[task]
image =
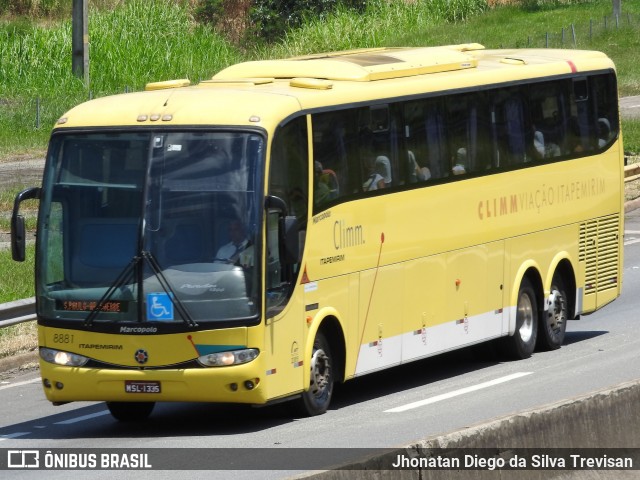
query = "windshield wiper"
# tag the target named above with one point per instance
(164, 283)
(127, 274)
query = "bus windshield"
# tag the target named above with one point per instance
(151, 227)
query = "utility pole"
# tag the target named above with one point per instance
(80, 40)
(617, 8)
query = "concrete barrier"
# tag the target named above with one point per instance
(605, 419)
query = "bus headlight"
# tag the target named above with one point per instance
(59, 357)
(232, 357)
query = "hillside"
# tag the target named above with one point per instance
(138, 41)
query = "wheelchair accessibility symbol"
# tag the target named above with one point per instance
(159, 306)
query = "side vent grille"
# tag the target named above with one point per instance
(599, 251)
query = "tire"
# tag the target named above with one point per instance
(130, 411)
(316, 400)
(553, 323)
(523, 342)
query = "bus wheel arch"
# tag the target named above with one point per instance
(326, 367)
(529, 307)
(559, 307)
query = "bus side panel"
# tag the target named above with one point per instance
(474, 278)
(431, 305)
(453, 300)
(424, 305)
(380, 321)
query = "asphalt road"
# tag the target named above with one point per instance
(630, 107)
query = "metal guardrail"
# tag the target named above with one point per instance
(24, 310)
(17, 311)
(632, 172)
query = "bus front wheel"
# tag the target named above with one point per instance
(315, 401)
(522, 343)
(130, 411)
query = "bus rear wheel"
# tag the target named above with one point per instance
(316, 400)
(554, 325)
(130, 411)
(522, 343)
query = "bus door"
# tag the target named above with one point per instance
(286, 213)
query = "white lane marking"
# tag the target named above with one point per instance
(13, 435)
(82, 418)
(632, 240)
(64, 422)
(26, 382)
(462, 391)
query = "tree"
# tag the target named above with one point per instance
(268, 19)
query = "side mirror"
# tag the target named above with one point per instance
(288, 239)
(18, 231)
(18, 242)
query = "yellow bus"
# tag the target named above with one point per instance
(289, 224)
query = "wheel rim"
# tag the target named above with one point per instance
(525, 312)
(320, 373)
(557, 310)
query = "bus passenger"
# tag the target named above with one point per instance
(321, 191)
(461, 160)
(574, 140)
(374, 182)
(604, 132)
(416, 172)
(378, 178)
(538, 144)
(383, 168)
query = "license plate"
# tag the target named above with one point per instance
(135, 386)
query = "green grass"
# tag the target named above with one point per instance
(28, 209)
(538, 29)
(378, 26)
(17, 278)
(142, 41)
(631, 136)
(139, 42)
(19, 338)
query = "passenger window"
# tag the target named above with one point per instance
(547, 104)
(334, 156)
(289, 167)
(468, 131)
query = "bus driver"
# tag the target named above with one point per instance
(239, 250)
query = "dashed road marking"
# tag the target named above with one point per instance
(82, 418)
(456, 393)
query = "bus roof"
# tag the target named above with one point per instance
(263, 93)
(360, 65)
